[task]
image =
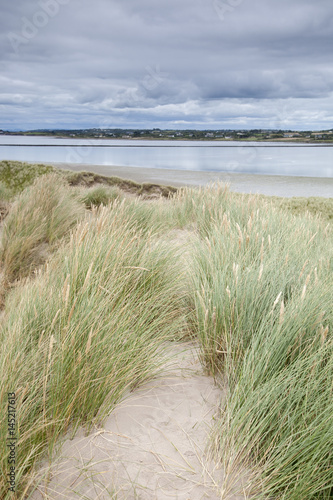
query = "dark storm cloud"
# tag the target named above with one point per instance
(199, 63)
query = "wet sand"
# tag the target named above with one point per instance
(277, 185)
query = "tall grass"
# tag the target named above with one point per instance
(262, 288)
(100, 195)
(254, 283)
(42, 214)
(89, 328)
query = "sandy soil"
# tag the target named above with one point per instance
(277, 185)
(153, 446)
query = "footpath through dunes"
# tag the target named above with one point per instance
(152, 446)
(155, 443)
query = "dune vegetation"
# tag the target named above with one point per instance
(93, 286)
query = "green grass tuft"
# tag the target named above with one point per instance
(100, 195)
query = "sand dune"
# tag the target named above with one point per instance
(153, 446)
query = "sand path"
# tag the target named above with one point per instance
(153, 446)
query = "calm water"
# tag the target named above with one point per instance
(239, 157)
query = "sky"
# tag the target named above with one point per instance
(170, 64)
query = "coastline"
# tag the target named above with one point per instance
(270, 185)
(297, 140)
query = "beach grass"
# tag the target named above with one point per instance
(252, 285)
(87, 329)
(39, 217)
(99, 195)
(262, 288)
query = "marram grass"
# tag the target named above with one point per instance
(92, 324)
(262, 294)
(90, 327)
(100, 195)
(40, 216)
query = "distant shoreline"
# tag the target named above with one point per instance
(300, 145)
(290, 140)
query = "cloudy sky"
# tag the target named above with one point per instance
(207, 64)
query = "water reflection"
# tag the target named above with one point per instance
(249, 158)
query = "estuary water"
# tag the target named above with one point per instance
(283, 159)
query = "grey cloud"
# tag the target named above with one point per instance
(154, 62)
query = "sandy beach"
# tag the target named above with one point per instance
(272, 185)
